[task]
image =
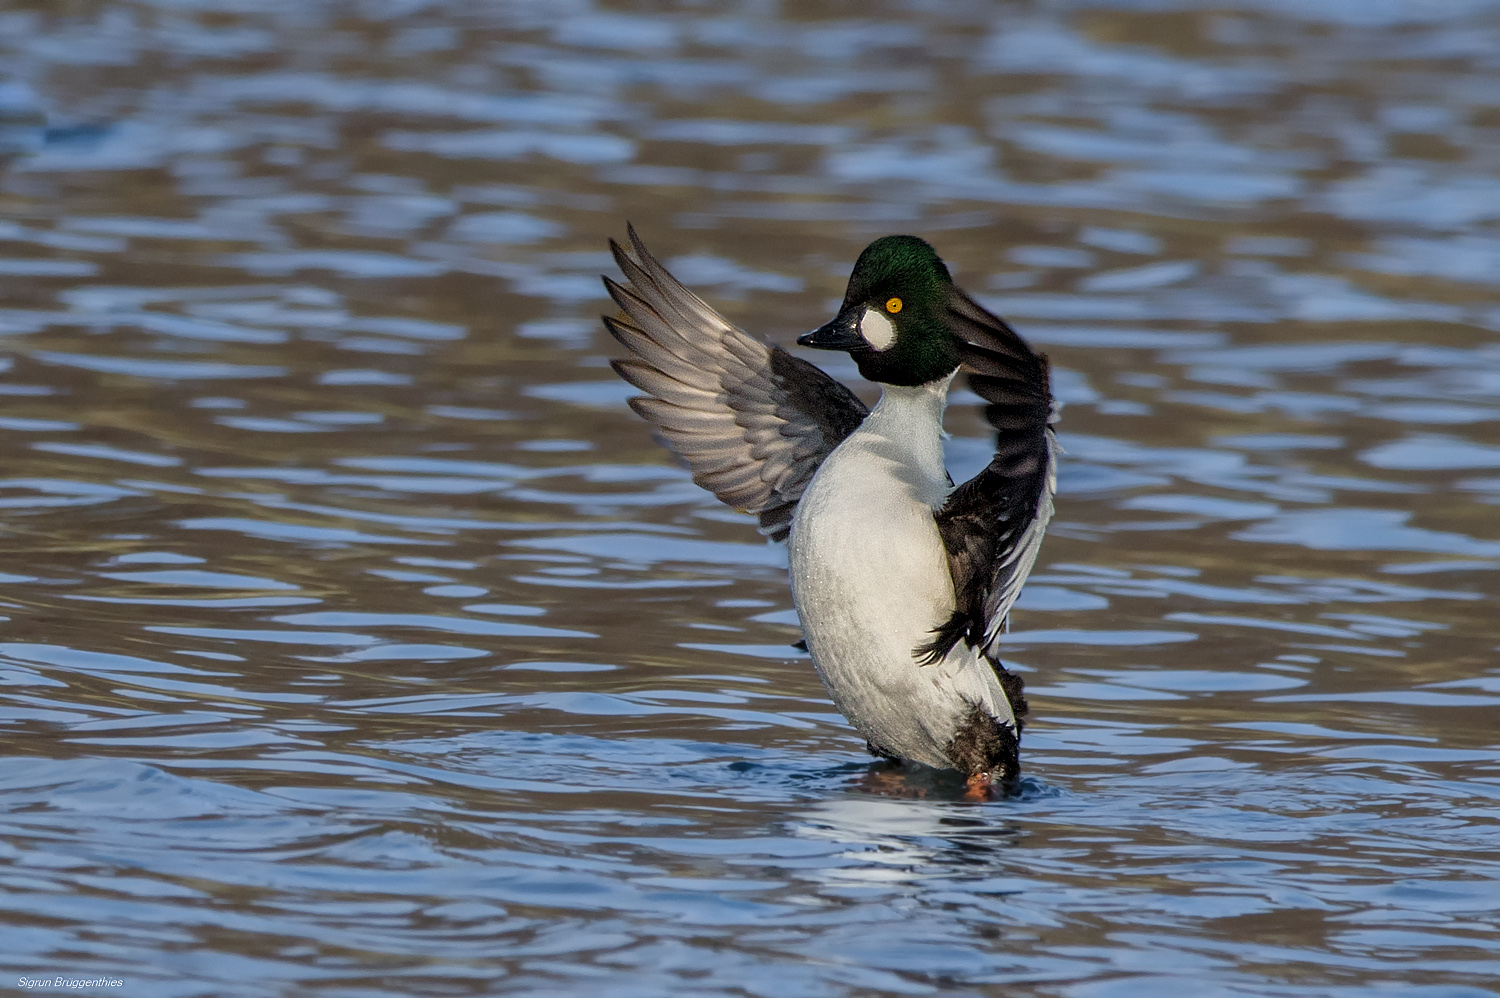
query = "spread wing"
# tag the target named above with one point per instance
(752, 421)
(992, 524)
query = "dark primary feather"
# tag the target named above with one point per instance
(752, 421)
(990, 524)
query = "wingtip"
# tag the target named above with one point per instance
(619, 330)
(648, 262)
(643, 259)
(618, 252)
(619, 367)
(614, 288)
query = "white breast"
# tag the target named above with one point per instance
(870, 581)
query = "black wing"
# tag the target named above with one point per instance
(992, 524)
(752, 421)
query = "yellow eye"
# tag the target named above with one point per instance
(893, 306)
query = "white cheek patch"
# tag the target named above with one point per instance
(877, 330)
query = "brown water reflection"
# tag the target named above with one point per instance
(360, 641)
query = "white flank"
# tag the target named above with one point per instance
(877, 330)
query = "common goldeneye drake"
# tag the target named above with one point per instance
(902, 581)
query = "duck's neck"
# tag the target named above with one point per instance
(911, 418)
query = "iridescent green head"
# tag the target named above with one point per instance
(894, 320)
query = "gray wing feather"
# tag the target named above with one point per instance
(752, 421)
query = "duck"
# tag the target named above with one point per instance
(903, 582)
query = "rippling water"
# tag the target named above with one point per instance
(359, 640)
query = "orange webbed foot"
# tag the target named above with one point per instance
(980, 787)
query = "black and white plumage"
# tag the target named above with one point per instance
(902, 582)
(989, 524)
